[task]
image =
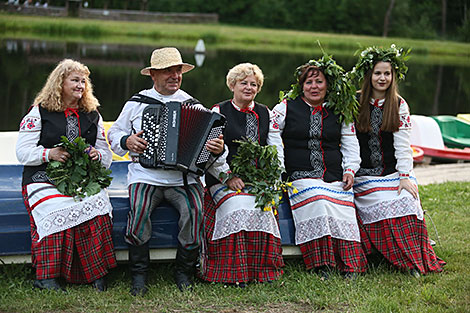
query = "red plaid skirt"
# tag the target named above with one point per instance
(346, 256)
(80, 254)
(242, 257)
(403, 241)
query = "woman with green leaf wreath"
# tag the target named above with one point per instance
(70, 225)
(315, 120)
(387, 198)
(242, 240)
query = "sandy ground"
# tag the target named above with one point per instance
(440, 173)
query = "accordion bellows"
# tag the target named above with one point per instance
(177, 134)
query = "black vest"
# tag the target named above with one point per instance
(296, 135)
(386, 163)
(235, 129)
(53, 127)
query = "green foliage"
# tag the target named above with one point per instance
(260, 169)
(370, 56)
(413, 19)
(79, 176)
(341, 94)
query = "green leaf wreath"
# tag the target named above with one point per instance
(79, 176)
(340, 95)
(262, 177)
(368, 57)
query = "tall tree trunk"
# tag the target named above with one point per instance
(388, 16)
(444, 18)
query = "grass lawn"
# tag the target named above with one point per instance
(381, 289)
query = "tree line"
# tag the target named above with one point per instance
(420, 19)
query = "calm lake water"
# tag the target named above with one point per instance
(430, 89)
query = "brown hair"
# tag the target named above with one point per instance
(50, 96)
(391, 118)
(305, 73)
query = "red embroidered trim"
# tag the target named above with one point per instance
(350, 170)
(322, 197)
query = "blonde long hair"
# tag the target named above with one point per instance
(391, 118)
(50, 96)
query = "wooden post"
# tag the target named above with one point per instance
(73, 7)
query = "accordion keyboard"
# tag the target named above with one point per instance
(203, 157)
(153, 120)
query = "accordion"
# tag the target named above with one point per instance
(177, 134)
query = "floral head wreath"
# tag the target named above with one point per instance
(370, 56)
(340, 95)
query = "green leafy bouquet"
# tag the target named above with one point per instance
(259, 168)
(79, 176)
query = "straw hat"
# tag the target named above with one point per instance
(165, 58)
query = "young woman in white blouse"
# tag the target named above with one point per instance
(386, 192)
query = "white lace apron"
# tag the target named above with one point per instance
(54, 212)
(320, 209)
(237, 212)
(377, 198)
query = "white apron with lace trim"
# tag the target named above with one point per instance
(377, 198)
(320, 209)
(54, 212)
(237, 211)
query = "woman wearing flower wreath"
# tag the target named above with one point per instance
(321, 157)
(70, 239)
(242, 242)
(386, 192)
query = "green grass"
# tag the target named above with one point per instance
(381, 289)
(218, 36)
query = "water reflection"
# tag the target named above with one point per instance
(24, 65)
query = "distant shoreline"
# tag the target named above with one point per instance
(219, 36)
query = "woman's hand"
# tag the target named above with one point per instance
(93, 153)
(348, 181)
(135, 143)
(235, 183)
(216, 145)
(408, 186)
(58, 154)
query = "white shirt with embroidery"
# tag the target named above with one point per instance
(401, 139)
(129, 122)
(273, 139)
(349, 143)
(30, 153)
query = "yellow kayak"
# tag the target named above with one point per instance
(116, 157)
(464, 116)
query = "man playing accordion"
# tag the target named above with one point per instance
(149, 186)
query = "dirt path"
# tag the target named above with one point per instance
(436, 174)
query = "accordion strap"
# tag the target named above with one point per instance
(186, 188)
(144, 99)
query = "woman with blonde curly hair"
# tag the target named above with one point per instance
(70, 239)
(242, 242)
